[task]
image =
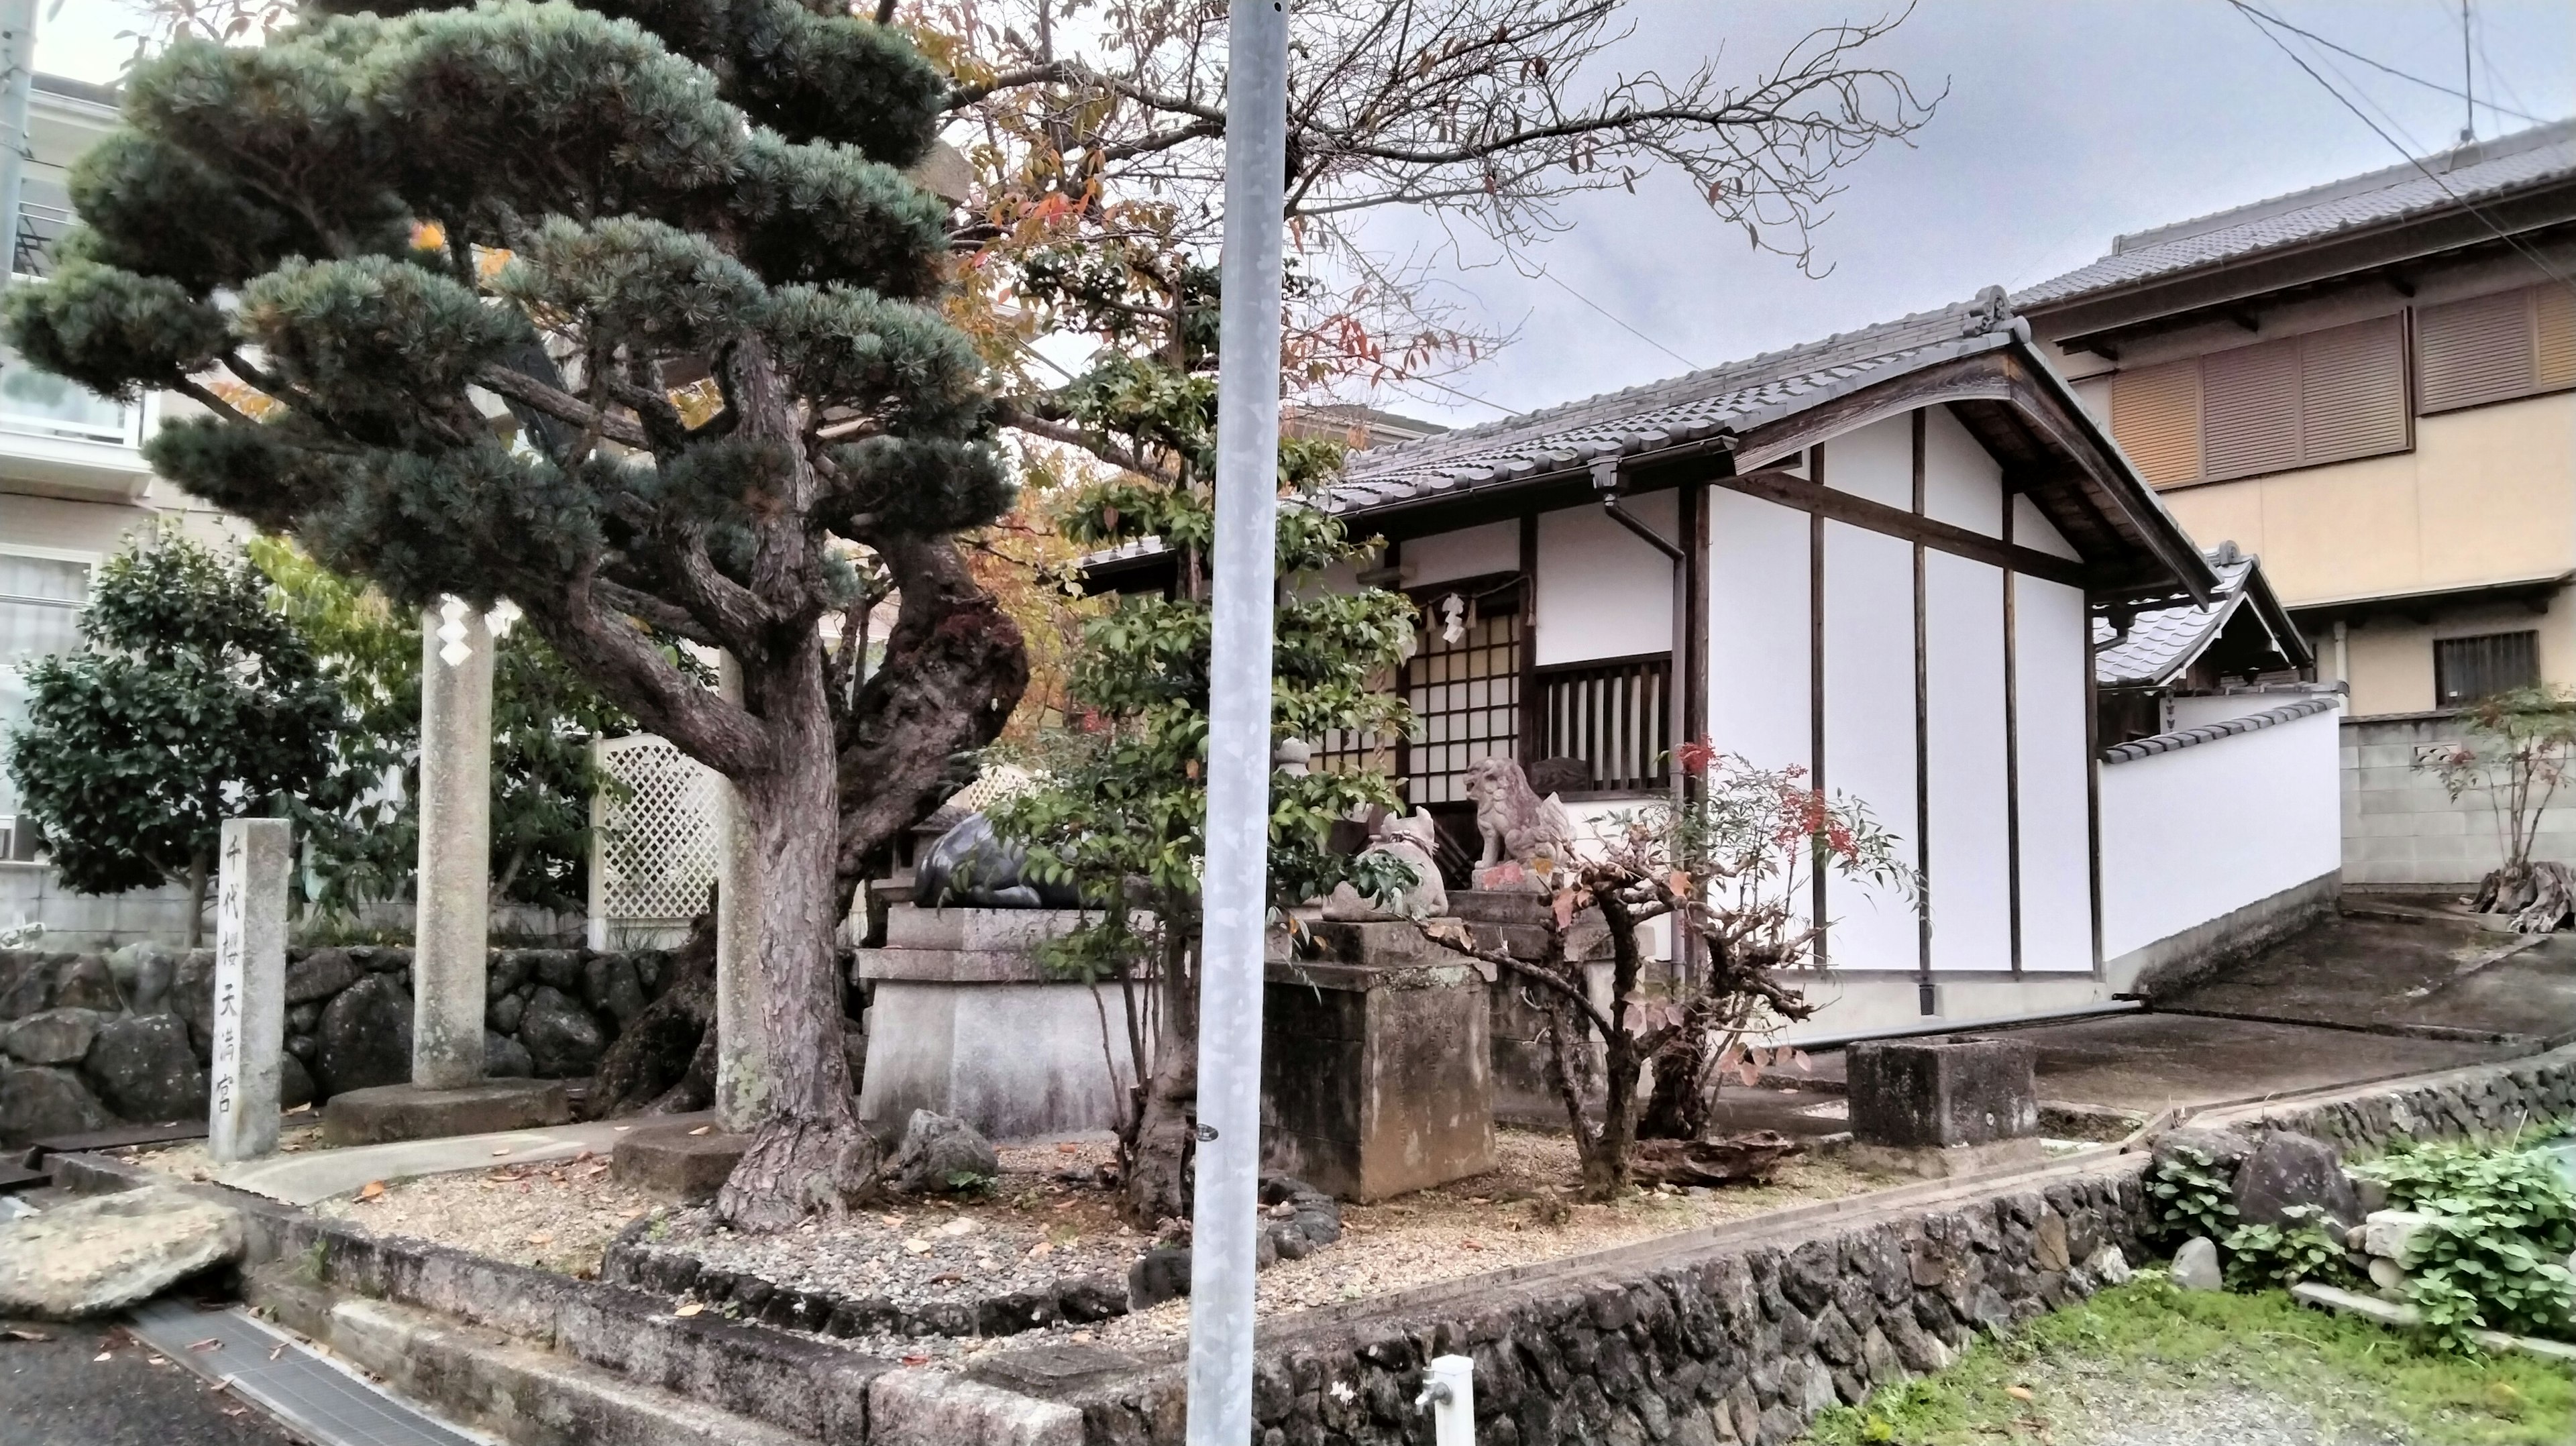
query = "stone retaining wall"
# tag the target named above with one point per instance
(88, 1039)
(2480, 1101)
(1731, 1336)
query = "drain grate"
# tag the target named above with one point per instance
(315, 1397)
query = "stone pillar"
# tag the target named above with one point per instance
(742, 1041)
(249, 1016)
(455, 884)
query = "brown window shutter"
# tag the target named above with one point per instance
(2474, 351)
(2352, 391)
(2155, 417)
(2250, 408)
(2554, 325)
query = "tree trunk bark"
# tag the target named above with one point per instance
(811, 1156)
(1677, 1108)
(1165, 1135)
(196, 900)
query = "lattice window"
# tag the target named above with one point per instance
(1465, 691)
(1358, 750)
(1615, 715)
(655, 845)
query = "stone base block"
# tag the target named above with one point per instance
(408, 1112)
(1944, 1162)
(1376, 1081)
(670, 1162)
(1942, 1090)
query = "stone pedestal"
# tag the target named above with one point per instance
(249, 1011)
(966, 1022)
(455, 881)
(1377, 1075)
(683, 1161)
(1517, 923)
(408, 1112)
(1944, 1105)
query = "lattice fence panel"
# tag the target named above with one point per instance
(656, 840)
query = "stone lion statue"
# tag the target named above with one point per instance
(1415, 841)
(1517, 825)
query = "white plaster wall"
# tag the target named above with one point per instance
(1962, 482)
(1969, 882)
(1468, 552)
(2190, 835)
(1869, 728)
(1603, 591)
(1758, 630)
(2032, 529)
(1876, 462)
(2051, 656)
(1599, 819)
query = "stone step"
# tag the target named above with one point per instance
(522, 1392)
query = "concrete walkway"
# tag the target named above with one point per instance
(303, 1178)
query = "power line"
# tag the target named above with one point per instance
(2452, 91)
(2251, 18)
(1623, 326)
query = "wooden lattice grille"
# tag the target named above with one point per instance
(1615, 715)
(657, 832)
(1465, 695)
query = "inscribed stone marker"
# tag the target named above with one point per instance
(454, 889)
(249, 1016)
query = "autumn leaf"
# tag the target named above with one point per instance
(371, 1190)
(690, 1309)
(1564, 906)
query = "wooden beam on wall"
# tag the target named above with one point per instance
(1811, 495)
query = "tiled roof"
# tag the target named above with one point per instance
(2474, 172)
(1732, 398)
(2163, 642)
(2182, 738)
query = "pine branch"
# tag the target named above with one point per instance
(561, 405)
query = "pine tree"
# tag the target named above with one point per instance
(194, 701)
(436, 273)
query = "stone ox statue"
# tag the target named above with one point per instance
(1518, 827)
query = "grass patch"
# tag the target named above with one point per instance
(2147, 1338)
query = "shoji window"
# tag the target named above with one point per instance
(2495, 348)
(2328, 396)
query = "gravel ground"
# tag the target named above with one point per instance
(557, 1217)
(2089, 1405)
(190, 1161)
(1046, 1221)
(1038, 1227)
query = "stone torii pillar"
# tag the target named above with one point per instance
(451, 961)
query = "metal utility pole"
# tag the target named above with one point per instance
(17, 84)
(1235, 881)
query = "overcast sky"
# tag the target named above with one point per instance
(2065, 124)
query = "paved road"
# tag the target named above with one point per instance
(57, 1393)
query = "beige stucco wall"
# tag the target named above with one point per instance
(2487, 495)
(2388, 658)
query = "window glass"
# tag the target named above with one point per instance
(2468, 669)
(40, 601)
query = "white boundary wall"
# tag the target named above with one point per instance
(2201, 832)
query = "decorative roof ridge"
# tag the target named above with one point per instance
(1989, 310)
(2182, 738)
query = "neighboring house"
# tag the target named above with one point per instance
(2371, 383)
(73, 483)
(1880, 558)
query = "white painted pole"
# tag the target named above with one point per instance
(1449, 1394)
(1235, 881)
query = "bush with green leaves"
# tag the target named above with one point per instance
(2190, 1197)
(2309, 1247)
(192, 701)
(2494, 1257)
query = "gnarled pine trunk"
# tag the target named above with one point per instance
(811, 1154)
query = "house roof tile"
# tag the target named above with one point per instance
(2479, 171)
